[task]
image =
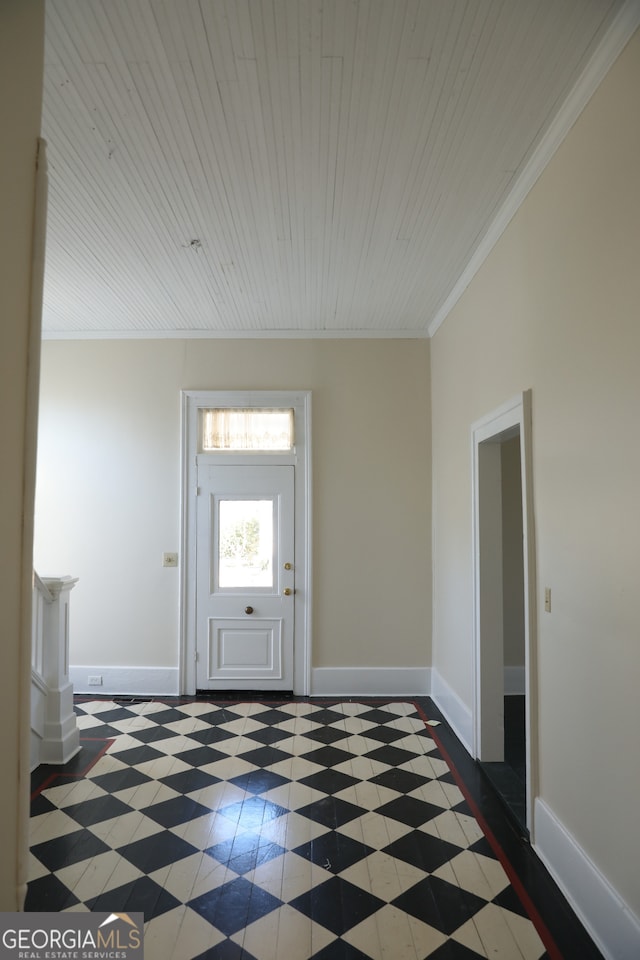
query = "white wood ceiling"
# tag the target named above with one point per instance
(310, 167)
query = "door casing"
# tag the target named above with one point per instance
(487, 435)
(300, 457)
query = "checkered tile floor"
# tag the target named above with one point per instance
(252, 831)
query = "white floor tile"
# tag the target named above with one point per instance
(391, 934)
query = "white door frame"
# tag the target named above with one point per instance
(488, 660)
(192, 402)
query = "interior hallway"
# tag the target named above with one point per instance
(297, 829)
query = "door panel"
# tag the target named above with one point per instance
(253, 653)
(244, 580)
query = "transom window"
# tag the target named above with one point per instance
(259, 430)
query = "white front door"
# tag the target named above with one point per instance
(245, 571)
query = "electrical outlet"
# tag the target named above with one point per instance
(94, 681)
(169, 559)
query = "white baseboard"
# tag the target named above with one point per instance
(457, 713)
(38, 708)
(608, 919)
(514, 681)
(370, 681)
(126, 681)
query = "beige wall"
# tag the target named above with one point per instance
(512, 556)
(555, 308)
(21, 52)
(108, 501)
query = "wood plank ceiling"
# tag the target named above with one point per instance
(311, 167)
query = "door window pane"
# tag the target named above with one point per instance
(245, 543)
(257, 430)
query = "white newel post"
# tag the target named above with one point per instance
(61, 739)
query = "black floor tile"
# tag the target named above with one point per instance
(377, 716)
(482, 846)
(507, 898)
(234, 905)
(403, 781)
(267, 735)
(327, 716)
(71, 848)
(114, 714)
(327, 734)
(447, 777)
(463, 808)
(410, 810)
(200, 756)
(137, 755)
(329, 781)
(422, 851)
(209, 735)
(452, 950)
(216, 716)
(337, 904)
(49, 895)
(156, 851)
(393, 756)
(105, 732)
(169, 813)
(341, 950)
(140, 896)
(151, 734)
(251, 813)
(331, 812)
(170, 715)
(333, 851)
(259, 781)
(96, 810)
(384, 734)
(440, 904)
(327, 756)
(121, 779)
(40, 804)
(188, 781)
(245, 852)
(272, 716)
(264, 756)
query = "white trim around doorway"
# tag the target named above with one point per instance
(192, 402)
(511, 418)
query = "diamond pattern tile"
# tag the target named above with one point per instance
(235, 905)
(440, 904)
(334, 851)
(337, 904)
(143, 895)
(248, 831)
(245, 852)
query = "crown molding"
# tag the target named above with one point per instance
(608, 50)
(337, 334)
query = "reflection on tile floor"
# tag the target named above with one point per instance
(262, 831)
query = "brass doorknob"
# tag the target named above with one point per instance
(287, 591)
(248, 609)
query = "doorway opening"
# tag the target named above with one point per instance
(246, 537)
(505, 721)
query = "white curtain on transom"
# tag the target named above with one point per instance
(234, 429)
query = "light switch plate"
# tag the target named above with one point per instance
(169, 559)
